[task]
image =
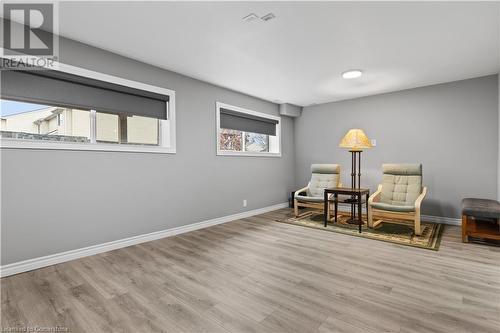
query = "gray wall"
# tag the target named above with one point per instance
(451, 128)
(498, 165)
(54, 201)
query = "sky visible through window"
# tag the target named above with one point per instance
(8, 108)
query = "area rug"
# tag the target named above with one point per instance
(393, 231)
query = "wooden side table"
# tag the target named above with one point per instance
(355, 199)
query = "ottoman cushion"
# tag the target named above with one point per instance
(484, 208)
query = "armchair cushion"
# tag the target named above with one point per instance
(323, 176)
(401, 185)
(402, 169)
(306, 198)
(392, 208)
(325, 168)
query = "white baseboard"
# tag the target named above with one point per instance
(442, 220)
(31, 264)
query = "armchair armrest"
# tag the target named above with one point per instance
(420, 198)
(375, 197)
(304, 189)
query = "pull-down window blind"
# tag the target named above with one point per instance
(230, 119)
(56, 88)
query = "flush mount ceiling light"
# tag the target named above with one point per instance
(352, 74)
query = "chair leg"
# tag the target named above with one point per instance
(465, 238)
(418, 230)
(296, 207)
(328, 212)
(370, 216)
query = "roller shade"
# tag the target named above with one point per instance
(235, 120)
(67, 90)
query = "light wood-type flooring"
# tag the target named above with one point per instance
(258, 275)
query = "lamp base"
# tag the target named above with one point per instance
(354, 221)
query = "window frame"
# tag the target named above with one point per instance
(167, 133)
(220, 105)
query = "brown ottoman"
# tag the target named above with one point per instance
(480, 218)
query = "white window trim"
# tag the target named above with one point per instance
(9, 143)
(220, 105)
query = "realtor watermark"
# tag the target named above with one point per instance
(30, 35)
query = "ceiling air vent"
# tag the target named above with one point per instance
(267, 17)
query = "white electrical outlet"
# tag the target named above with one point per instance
(374, 142)
(245, 203)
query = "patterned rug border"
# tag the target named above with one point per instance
(434, 247)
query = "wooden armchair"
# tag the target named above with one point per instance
(312, 196)
(399, 196)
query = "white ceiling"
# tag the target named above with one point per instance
(298, 57)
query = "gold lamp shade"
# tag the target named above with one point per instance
(355, 140)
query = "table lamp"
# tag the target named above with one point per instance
(356, 140)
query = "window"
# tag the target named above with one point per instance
(256, 142)
(25, 121)
(233, 140)
(247, 133)
(89, 111)
(116, 128)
